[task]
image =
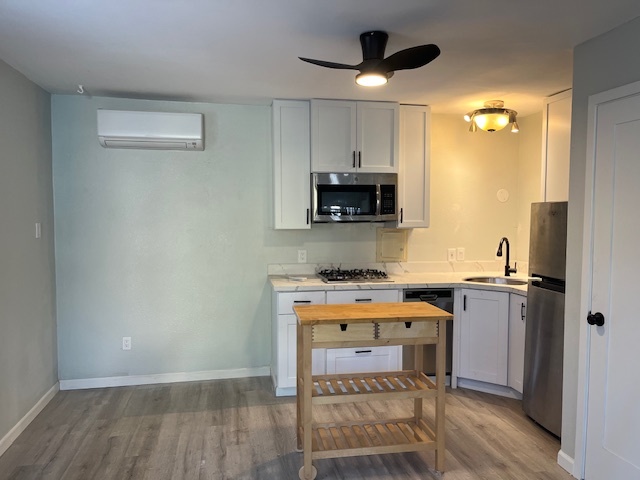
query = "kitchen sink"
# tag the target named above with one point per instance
(497, 280)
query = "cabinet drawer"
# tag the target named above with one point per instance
(400, 330)
(286, 301)
(363, 296)
(334, 333)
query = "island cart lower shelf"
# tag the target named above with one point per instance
(336, 326)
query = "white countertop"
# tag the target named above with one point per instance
(283, 283)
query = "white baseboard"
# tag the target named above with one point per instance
(129, 380)
(24, 422)
(566, 462)
(488, 388)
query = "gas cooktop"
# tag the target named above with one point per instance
(360, 275)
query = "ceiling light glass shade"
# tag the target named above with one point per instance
(371, 79)
(492, 117)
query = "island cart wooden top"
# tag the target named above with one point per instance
(369, 313)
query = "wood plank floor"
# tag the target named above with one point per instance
(236, 429)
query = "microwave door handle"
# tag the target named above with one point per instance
(378, 202)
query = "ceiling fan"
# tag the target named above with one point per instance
(375, 69)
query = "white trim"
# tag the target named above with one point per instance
(24, 422)
(566, 462)
(129, 380)
(587, 253)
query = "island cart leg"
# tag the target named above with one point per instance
(418, 359)
(308, 472)
(299, 388)
(441, 359)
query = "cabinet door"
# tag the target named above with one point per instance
(556, 146)
(333, 136)
(291, 165)
(484, 336)
(517, 319)
(377, 138)
(413, 177)
(287, 353)
(366, 359)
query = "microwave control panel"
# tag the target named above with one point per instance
(388, 199)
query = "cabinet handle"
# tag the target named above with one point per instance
(464, 303)
(354, 159)
(302, 301)
(363, 299)
(401, 215)
(308, 216)
(522, 315)
(359, 159)
(363, 351)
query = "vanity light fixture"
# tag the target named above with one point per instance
(492, 117)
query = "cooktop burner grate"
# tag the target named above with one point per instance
(335, 275)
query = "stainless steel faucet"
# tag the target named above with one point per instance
(507, 268)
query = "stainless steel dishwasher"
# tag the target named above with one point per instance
(441, 298)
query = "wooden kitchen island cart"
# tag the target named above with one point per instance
(364, 325)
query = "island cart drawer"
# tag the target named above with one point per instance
(343, 333)
(407, 330)
(287, 300)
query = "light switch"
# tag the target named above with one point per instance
(460, 254)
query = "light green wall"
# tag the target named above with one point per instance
(603, 63)
(27, 291)
(172, 248)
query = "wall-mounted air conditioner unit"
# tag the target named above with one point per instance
(152, 130)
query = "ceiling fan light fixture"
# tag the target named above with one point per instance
(493, 117)
(371, 79)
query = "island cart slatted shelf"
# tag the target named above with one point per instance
(364, 325)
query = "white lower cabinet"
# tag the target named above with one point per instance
(484, 336)
(283, 349)
(369, 359)
(517, 323)
(362, 360)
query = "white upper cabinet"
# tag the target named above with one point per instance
(413, 177)
(348, 136)
(291, 165)
(556, 146)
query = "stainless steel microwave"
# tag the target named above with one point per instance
(354, 197)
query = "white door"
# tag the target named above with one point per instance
(613, 412)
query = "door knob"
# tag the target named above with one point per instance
(595, 319)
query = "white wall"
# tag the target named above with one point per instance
(602, 63)
(27, 289)
(467, 170)
(172, 248)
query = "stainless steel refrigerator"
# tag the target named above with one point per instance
(544, 338)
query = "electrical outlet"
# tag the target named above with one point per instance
(451, 254)
(126, 343)
(302, 256)
(460, 254)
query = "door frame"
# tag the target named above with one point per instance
(595, 101)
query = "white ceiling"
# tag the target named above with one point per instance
(245, 51)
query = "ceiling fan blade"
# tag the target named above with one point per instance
(409, 58)
(322, 63)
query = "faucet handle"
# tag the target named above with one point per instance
(515, 268)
